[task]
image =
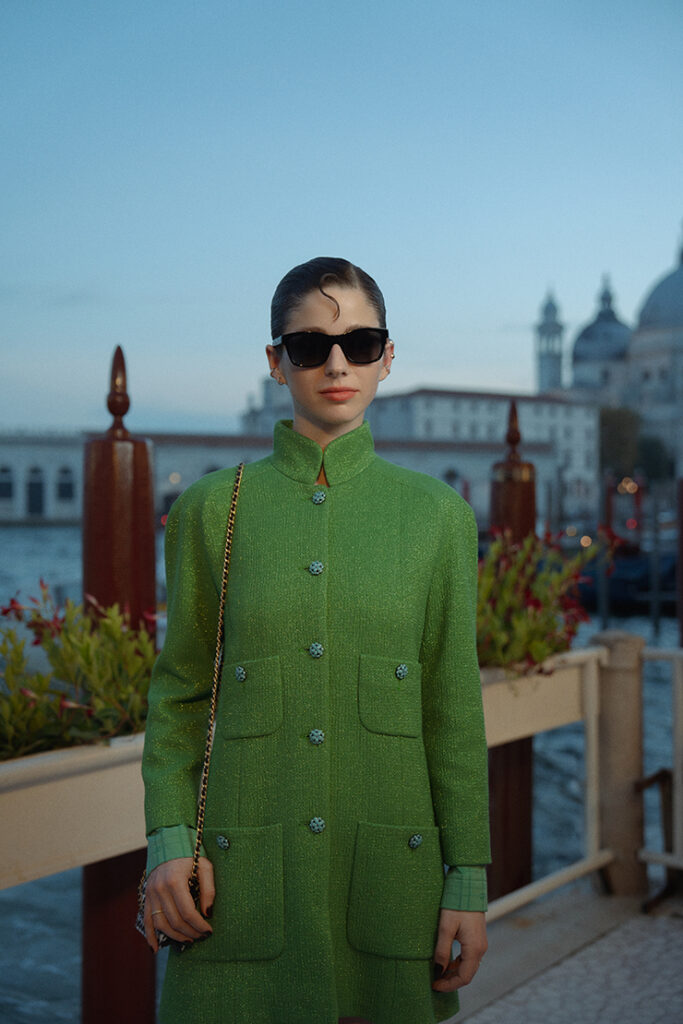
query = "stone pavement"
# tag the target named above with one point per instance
(632, 975)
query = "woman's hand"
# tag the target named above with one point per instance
(469, 928)
(168, 903)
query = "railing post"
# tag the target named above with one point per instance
(621, 759)
(679, 561)
(118, 969)
(513, 505)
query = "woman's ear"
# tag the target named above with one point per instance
(386, 359)
(274, 360)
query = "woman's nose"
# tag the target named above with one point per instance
(336, 360)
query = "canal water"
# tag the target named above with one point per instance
(40, 952)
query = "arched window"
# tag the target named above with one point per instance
(65, 484)
(6, 482)
(35, 492)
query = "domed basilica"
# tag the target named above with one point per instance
(616, 365)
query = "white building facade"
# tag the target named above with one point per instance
(41, 478)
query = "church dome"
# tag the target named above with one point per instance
(606, 337)
(663, 308)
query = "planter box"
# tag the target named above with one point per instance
(66, 808)
(524, 705)
(70, 807)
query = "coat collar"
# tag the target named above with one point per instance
(300, 458)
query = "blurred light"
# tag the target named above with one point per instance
(631, 524)
(164, 519)
(586, 541)
(571, 531)
(174, 478)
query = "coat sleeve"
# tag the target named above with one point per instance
(452, 709)
(180, 687)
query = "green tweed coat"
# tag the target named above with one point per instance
(349, 761)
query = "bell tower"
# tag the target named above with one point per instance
(549, 333)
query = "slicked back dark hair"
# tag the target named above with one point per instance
(314, 275)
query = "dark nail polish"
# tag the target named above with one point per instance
(438, 971)
(209, 911)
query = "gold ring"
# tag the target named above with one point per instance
(156, 912)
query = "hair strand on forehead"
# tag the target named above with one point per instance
(330, 279)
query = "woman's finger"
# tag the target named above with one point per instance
(150, 935)
(207, 888)
(183, 918)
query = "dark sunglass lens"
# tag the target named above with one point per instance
(307, 348)
(364, 346)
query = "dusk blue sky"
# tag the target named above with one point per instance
(163, 164)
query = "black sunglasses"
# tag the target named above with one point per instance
(312, 348)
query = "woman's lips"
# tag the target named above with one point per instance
(339, 394)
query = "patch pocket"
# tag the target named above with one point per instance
(251, 698)
(248, 912)
(390, 695)
(395, 892)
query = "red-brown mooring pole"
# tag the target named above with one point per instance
(118, 969)
(513, 505)
(679, 560)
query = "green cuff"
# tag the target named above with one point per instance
(464, 888)
(168, 843)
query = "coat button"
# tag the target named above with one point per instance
(318, 497)
(401, 671)
(415, 841)
(316, 824)
(316, 736)
(240, 673)
(316, 650)
(223, 842)
(315, 568)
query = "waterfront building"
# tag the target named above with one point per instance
(640, 368)
(41, 477)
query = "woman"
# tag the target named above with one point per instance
(349, 761)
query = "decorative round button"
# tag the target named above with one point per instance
(315, 568)
(240, 673)
(415, 841)
(318, 497)
(223, 842)
(316, 824)
(401, 671)
(316, 736)
(316, 650)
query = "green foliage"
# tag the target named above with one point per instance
(527, 606)
(97, 682)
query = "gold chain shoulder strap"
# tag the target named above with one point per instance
(217, 669)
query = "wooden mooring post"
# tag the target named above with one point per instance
(513, 506)
(118, 969)
(679, 562)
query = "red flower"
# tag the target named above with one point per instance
(14, 609)
(71, 705)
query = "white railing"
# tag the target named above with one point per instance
(529, 705)
(672, 858)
